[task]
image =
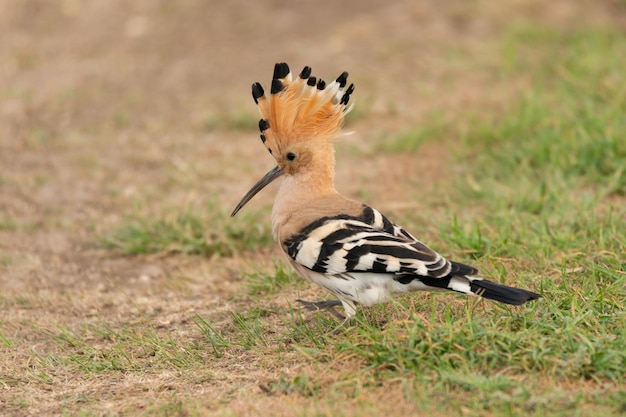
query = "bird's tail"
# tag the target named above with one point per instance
(482, 288)
(501, 293)
(300, 107)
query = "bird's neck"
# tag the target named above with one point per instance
(299, 191)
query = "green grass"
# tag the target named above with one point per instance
(568, 130)
(250, 332)
(100, 348)
(509, 343)
(5, 340)
(262, 283)
(193, 230)
(213, 336)
(539, 202)
(435, 126)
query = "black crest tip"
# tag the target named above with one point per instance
(346, 96)
(342, 79)
(305, 73)
(263, 125)
(277, 86)
(281, 70)
(311, 81)
(263, 138)
(321, 84)
(257, 92)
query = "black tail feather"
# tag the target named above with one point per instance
(474, 286)
(502, 293)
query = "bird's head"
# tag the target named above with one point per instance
(300, 117)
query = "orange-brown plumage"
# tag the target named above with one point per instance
(299, 110)
(348, 248)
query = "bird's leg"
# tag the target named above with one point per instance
(323, 305)
(319, 305)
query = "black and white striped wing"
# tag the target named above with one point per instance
(368, 243)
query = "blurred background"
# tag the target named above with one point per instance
(128, 133)
(107, 101)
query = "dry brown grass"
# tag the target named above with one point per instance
(116, 107)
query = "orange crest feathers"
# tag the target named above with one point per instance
(302, 109)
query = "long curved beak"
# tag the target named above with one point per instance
(267, 178)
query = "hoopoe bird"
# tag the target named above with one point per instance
(346, 247)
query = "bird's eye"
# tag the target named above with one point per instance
(291, 156)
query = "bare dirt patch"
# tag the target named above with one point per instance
(111, 108)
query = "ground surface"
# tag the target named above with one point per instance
(127, 134)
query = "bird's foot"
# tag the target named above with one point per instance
(323, 305)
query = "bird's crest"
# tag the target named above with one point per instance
(300, 109)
